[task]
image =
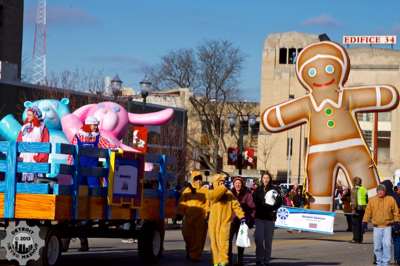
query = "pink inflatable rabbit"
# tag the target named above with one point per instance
(114, 121)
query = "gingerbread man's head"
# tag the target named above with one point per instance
(323, 66)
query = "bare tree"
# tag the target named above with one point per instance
(78, 79)
(212, 71)
(177, 69)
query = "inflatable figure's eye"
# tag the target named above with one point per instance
(312, 72)
(116, 109)
(329, 69)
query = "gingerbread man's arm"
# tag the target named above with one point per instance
(372, 98)
(286, 115)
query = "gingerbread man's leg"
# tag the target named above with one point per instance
(357, 161)
(321, 173)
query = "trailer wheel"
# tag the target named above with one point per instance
(150, 242)
(51, 252)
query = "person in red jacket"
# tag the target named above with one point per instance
(245, 198)
(33, 130)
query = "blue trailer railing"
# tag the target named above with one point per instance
(11, 166)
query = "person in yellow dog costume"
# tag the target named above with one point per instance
(193, 206)
(222, 205)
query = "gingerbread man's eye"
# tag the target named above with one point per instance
(312, 72)
(329, 69)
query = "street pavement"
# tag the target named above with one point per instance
(289, 248)
(294, 248)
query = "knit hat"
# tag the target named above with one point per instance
(91, 120)
(381, 187)
(36, 112)
(238, 178)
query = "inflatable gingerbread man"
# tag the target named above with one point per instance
(335, 138)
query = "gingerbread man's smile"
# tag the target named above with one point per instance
(319, 85)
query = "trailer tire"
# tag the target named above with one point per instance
(51, 252)
(150, 242)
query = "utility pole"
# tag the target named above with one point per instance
(39, 45)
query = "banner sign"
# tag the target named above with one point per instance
(385, 39)
(305, 220)
(139, 140)
(126, 179)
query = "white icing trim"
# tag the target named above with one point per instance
(279, 116)
(323, 200)
(335, 145)
(378, 96)
(318, 108)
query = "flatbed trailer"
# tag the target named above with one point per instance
(65, 211)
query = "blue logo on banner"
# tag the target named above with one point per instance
(283, 213)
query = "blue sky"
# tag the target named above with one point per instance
(124, 36)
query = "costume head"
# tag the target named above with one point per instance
(52, 111)
(196, 176)
(321, 65)
(113, 120)
(218, 180)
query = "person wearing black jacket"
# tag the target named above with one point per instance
(267, 199)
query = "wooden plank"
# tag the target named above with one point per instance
(41, 168)
(63, 207)
(93, 152)
(83, 207)
(121, 213)
(29, 188)
(35, 206)
(4, 146)
(96, 207)
(34, 147)
(32, 206)
(3, 166)
(93, 171)
(62, 148)
(150, 209)
(64, 169)
(2, 204)
(11, 184)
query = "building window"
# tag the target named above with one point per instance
(385, 116)
(283, 56)
(368, 138)
(255, 129)
(365, 117)
(299, 50)
(292, 56)
(384, 145)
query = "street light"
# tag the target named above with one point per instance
(145, 86)
(116, 85)
(251, 120)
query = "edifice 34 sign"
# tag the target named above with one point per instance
(370, 39)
